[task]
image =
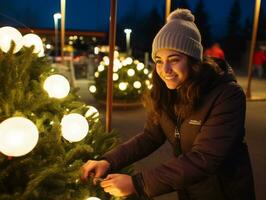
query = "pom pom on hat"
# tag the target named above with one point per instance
(183, 14)
(180, 33)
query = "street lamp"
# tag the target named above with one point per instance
(128, 32)
(57, 16)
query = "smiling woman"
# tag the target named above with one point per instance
(195, 104)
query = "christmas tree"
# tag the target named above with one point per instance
(43, 162)
(130, 79)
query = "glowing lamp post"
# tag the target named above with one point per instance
(128, 32)
(57, 16)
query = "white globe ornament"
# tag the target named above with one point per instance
(93, 198)
(33, 40)
(18, 136)
(92, 112)
(56, 86)
(8, 34)
(74, 127)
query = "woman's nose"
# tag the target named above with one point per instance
(167, 67)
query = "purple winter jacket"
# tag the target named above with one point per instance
(214, 161)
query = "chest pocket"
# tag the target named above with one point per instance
(188, 131)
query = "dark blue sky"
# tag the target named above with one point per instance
(94, 14)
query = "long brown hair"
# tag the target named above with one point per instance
(183, 101)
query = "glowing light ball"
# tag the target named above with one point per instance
(115, 76)
(18, 136)
(130, 72)
(8, 34)
(146, 71)
(100, 68)
(74, 127)
(96, 74)
(57, 86)
(92, 111)
(123, 86)
(140, 66)
(92, 88)
(93, 198)
(137, 84)
(33, 40)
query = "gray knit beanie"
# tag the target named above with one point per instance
(179, 33)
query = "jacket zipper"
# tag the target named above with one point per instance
(178, 136)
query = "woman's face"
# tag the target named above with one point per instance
(172, 67)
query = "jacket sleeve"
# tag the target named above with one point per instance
(221, 132)
(136, 148)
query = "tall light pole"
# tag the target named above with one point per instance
(252, 46)
(63, 17)
(167, 8)
(57, 16)
(128, 32)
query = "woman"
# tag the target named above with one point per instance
(198, 107)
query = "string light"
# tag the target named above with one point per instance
(130, 72)
(137, 84)
(140, 66)
(92, 88)
(115, 76)
(123, 86)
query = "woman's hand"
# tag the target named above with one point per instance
(119, 185)
(98, 168)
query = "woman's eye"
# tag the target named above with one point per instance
(173, 61)
(158, 62)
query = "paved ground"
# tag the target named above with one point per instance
(129, 122)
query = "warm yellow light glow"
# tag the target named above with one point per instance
(137, 84)
(123, 86)
(147, 82)
(74, 127)
(96, 50)
(130, 72)
(129, 60)
(92, 112)
(106, 60)
(117, 65)
(33, 40)
(116, 54)
(115, 76)
(56, 86)
(93, 198)
(146, 71)
(100, 68)
(92, 88)
(150, 75)
(140, 66)
(18, 136)
(8, 34)
(96, 74)
(136, 62)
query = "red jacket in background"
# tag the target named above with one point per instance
(259, 58)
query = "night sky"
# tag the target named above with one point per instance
(94, 14)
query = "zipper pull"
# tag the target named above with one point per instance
(177, 133)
